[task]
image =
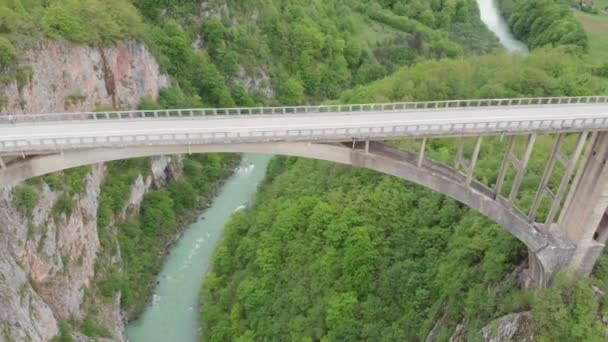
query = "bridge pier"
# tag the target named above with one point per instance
(584, 219)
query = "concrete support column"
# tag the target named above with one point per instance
(521, 166)
(473, 163)
(584, 220)
(543, 189)
(421, 154)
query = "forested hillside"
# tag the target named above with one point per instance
(541, 23)
(256, 51)
(331, 252)
(334, 253)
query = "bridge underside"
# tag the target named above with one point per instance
(550, 251)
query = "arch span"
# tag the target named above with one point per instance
(551, 252)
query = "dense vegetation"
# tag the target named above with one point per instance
(356, 256)
(302, 51)
(143, 239)
(328, 252)
(309, 50)
(544, 22)
(335, 253)
(545, 72)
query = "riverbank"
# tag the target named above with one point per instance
(142, 239)
(172, 314)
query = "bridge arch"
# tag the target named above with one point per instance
(547, 251)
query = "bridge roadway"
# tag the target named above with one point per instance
(573, 232)
(39, 135)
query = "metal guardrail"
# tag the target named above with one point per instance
(197, 136)
(290, 110)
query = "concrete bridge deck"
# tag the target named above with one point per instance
(51, 132)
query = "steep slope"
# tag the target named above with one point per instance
(336, 253)
(64, 78)
(50, 255)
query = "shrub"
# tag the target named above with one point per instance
(76, 98)
(8, 54)
(65, 333)
(111, 284)
(92, 21)
(25, 199)
(63, 205)
(147, 103)
(92, 328)
(58, 21)
(566, 311)
(185, 198)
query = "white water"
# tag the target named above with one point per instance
(491, 16)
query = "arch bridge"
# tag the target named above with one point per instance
(572, 233)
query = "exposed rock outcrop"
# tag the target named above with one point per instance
(512, 327)
(460, 333)
(47, 261)
(81, 78)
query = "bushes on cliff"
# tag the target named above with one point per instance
(65, 333)
(72, 181)
(92, 21)
(91, 327)
(116, 188)
(59, 21)
(184, 196)
(86, 21)
(25, 198)
(567, 311)
(8, 54)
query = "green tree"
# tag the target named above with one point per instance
(8, 54)
(566, 311)
(291, 92)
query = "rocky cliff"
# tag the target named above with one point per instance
(81, 78)
(47, 259)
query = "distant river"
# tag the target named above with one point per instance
(172, 314)
(491, 16)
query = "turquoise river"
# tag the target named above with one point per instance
(172, 314)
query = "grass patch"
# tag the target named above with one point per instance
(371, 31)
(596, 26)
(65, 333)
(91, 328)
(63, 205)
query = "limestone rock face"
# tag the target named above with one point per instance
(54, 257)
(47, 260)
(81, 78)
(512, 327)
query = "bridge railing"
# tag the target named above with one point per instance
(202, 136)
(291, 110)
